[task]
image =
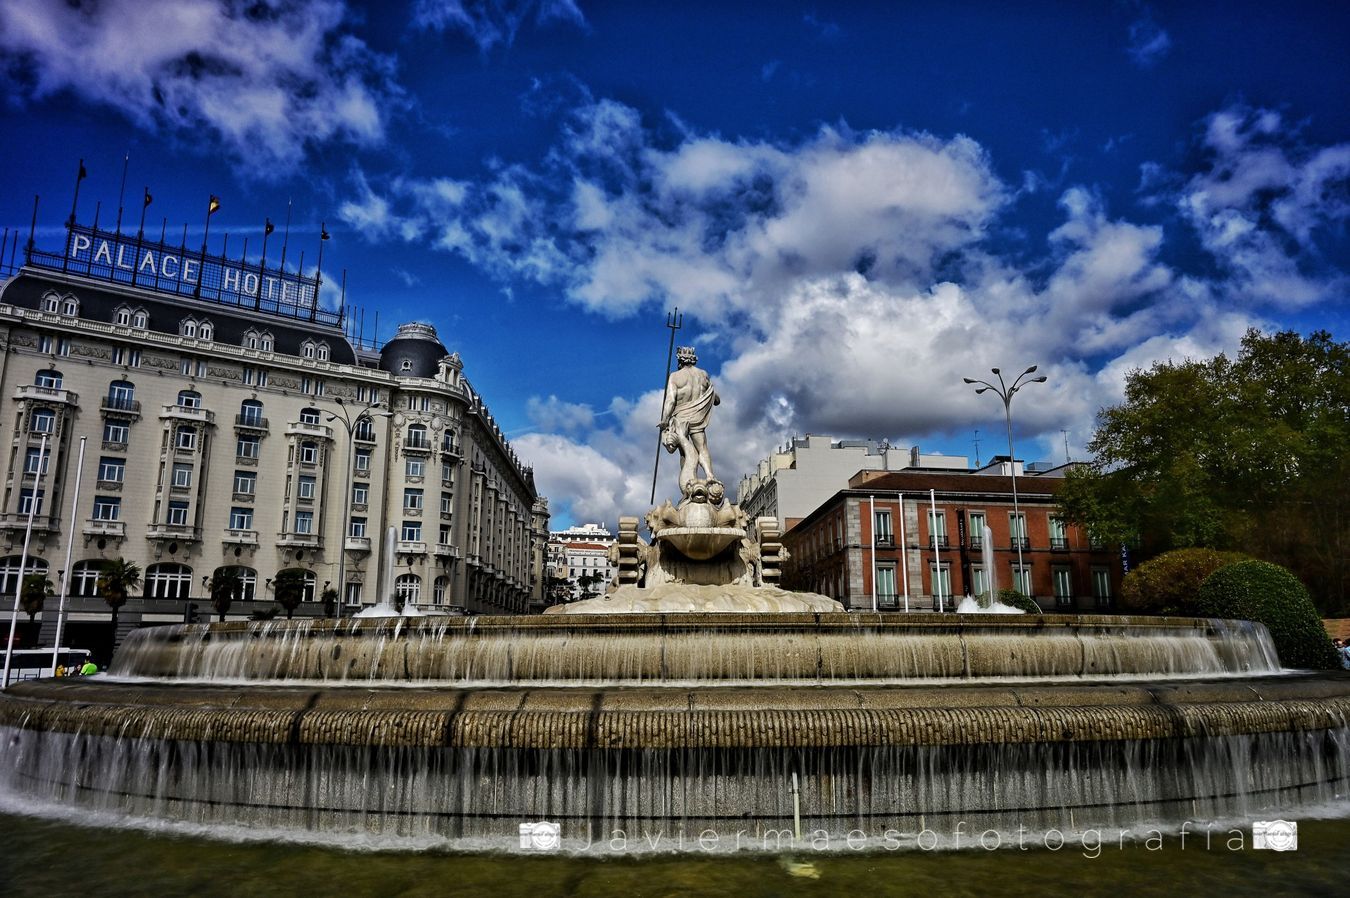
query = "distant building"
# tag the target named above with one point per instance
(792, 483)
(582, 553)
(878, 540)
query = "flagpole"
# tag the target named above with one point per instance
(140, 235)
(70, 222)
(318, 271)
(286, 236)
(212, 205)
(122, 192)
(268, 228)
(35, 499)
(70, 544)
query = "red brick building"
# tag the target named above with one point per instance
(878, 544)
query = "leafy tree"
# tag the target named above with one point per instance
(1267, 593)
(588, 582)
(330, 597)
(115, 583)
(1016, 599)
(36, 589)
(1244, 454)
(225, 586)
(557, 589)
(290, 589)
(1170, 583)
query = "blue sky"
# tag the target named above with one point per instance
(855, 205)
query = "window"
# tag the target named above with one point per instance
(189, 399)
(207, 331)
(357, 528)
(445, 503)
(439, 589)
(978, 581)
(883, 528)
(168, 581)
(48, 379)
(26, 503)
(304, 522)
(1017, 527)
(309, 416)
(186, 437)
(115, 431)
(62, 346)
(306, 488)
(447, 474)
(353, 596)
(360, 494)
(241, 518)
(251, 413)
(112, 470)
(1021, 578)
(51, 303)
(417, 437)
(408, 589)
(250, 339)
(178, 514)
(322, 352)
(364, 430)
(977, 529)
(937, 529)
(188, 327)
(249, 375)
(245, 483)
(248, 447)
(34, 457)
(309, 453)
(415, 467)
(46, 345)
(43, 420)
(128, 357)
(1063, 586)
(941, 578)
(70, 307)
(9, 572)
(266, 342)
(140, 319)
(361, 461)
(1059, 534)
(307, 349)
(84, 578)
(412, 500)
(443, 535)
(1101, 587)
(886, 586)
(182, 476)
(107, 508)
(411, 532)
(122, 316)
(121, 395)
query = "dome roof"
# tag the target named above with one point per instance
(415, 351)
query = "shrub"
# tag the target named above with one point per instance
(1267, 593)
(1015, 599)
(1169, 583)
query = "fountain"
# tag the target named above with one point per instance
(717, 704)
(386, 607)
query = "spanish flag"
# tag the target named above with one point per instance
(212, 206)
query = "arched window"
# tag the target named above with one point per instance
(189, 399)
(84, 577)
(309, 583)
(417, 436)
(70, 306)
(206, 331)
(408, 588)
(248, 581)
(140, 319)
(309, 416)
(439, 590)
(168, 581)
(121, 395)
(266, 342)
(122, 316)
(322, 352)
(250, 339)
(49, 378)
(307, 349)
(9, 572)
(187, 327)
(251, 413)
(51, 303)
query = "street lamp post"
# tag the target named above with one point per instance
(1006, 393)
(351, 423)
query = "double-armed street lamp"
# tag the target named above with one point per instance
(352, 423)
(1006, 393)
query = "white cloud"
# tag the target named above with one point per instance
(1148, 42)
(267, 81)
(556, 415)
(491, 22)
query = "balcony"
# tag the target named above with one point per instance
(358, 544)
(299, 540)
(977, 542)
(254, 423)
(182, 532)
(410, 547)
(1059, 543)
(940, 541)
(95, 527)
(364, 435)
(451, 449)
(314, 431)
(448, 551)
(1019, 542)
(191, 413)
(46, 394)
(122, 407)
(416, 444)
(240, 537)
(885, 540)
(19, 521)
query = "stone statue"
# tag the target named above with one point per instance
(690, 398)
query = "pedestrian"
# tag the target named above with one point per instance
(88, 668)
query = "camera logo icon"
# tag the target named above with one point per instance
(542, 835)
(1275, 835)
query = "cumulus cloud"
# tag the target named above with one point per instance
(268, 80)
(847, 281)
(1148, 43)
(491, 22)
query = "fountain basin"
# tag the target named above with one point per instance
(700, 543)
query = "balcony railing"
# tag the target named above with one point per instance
(46, 394)
(121, 405)
(96, 527)
(240, 537)
(1059, 543)
(1019, 542)
(300, 540)
(188, 413)
(977, 542)
(885, 540)
(420, 444)
(251, 422)
(19, 521)
(411, 547)
(447, 550)
(358, 544)
(185, 532)
(305, 429)
(941, 541)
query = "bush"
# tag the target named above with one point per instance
(1015, 599)
(1169, 583)
(1267, 593)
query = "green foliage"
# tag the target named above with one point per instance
(116, 581)
(1015, 599)
(290, 589)
(36, 589)
(225, 585)
(1243, 454)
(1267, 593)
(1170, 583)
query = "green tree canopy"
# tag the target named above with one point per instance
(1245, 454)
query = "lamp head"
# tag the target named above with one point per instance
(995, 370)
(1030, 370)
(1038, 380)
(968, 380)
(981, 390)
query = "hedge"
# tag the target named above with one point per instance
(1267, 593)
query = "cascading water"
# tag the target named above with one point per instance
(669, 727)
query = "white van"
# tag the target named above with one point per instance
(29, 664)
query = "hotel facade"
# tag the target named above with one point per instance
(230, 426)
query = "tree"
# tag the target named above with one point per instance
(588, 582)
(36, 589)
(1243, 454)
(226, 585)
(290, 589)
(116, 581)
(557, 589)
